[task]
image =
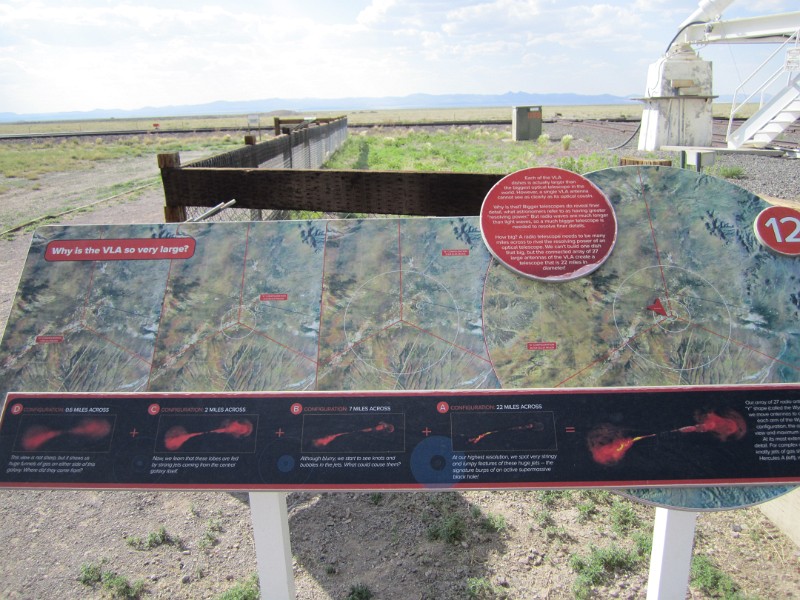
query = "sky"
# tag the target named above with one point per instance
(77, 55)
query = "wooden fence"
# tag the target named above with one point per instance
(301, 144)
(246, 176)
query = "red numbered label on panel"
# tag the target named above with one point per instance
(778, 228)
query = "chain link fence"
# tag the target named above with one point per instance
(304, 145)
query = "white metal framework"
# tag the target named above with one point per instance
(679, 85)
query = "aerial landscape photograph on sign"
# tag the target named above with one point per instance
(688, 297)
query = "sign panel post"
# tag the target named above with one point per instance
(273, 545)
(671, 557)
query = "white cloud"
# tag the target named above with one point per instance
(492, 18)
(82, 54)
(375, 12)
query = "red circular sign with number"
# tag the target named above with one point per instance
(778, 228)
(548, 224)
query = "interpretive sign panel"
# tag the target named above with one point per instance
(688, 296)
(374, 440)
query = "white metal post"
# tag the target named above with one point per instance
(273, 546)
(671, 558)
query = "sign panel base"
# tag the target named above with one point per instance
(385, 440)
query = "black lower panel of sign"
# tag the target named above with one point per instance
(495, 440)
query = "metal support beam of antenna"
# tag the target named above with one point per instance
(707, 10)
(766, 29)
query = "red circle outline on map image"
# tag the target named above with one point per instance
(548, 224)
(778, 228)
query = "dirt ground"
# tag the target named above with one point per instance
(512, 544)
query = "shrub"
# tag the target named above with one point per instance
(710, 580)
(244, 590)
(359, 592)
(450, 529)
(599, 566)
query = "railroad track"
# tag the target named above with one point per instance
(624, 127)
(718, 133)
(117, 133)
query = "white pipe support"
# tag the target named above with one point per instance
(671, 557)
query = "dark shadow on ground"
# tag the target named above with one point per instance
(346, 539)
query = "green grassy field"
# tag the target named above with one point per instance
(30, 160)
(459, 150)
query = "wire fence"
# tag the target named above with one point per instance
(303, 145)
(231, 213)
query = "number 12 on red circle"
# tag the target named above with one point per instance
(778, 228)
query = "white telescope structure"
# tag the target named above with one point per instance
(679, 91)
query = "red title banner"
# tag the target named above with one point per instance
(120, 249)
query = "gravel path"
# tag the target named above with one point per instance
(768, 177)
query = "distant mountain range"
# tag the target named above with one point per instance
(304, 105)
